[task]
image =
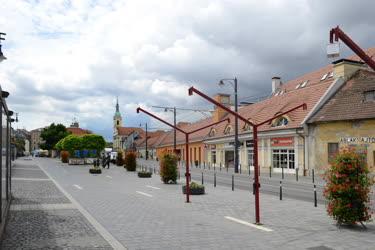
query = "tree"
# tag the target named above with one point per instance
(72, 143)
(52, 134)
(93, 142)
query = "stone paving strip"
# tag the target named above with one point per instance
(44, 216)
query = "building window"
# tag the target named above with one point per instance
(212, 132)
(283, 121)
(213, 156)
(250, 152)
(228, 130)
(118, 122)
(369, 95)
(247, 127)
(333, 149)
(283, 158)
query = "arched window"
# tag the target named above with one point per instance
(228, 129)
(118, 122)
(212, 132)
(282, 121)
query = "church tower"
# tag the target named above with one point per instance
(117, 119)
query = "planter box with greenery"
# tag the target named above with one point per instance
(348, 189)
(168, 168)
(195, 189)
(119, 160)
(131, 161)
(144, 174)
(95, 170)
(64, 156)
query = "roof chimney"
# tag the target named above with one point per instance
(218, 112)
(276, 83)
(345, 67)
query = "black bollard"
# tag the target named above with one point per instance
(215, 179)
(240, 168)
(282, 173)
(232, 182)
(220, 166)
(249, 171)
(227, 167)
(315, 198)
(202, 179)
(270, 172)
(281, 191)
(313, 175)
(179, 174)
(296, 174)
(214, 167)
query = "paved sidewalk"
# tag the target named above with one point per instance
(43, 217)
(146, 214)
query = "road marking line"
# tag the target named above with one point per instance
(248, 224)
(145, 194)
(152, 187)
(104, 233)
(108, 176)
(32, 169)
(79, 187)
(30, 179)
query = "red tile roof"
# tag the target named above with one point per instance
(266, 109)
(348, 103)
(78, 131)
(128, 130)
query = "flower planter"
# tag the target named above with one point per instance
(144, 174)
(194, 191)
(95, 171)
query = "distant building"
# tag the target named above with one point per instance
(36, 140)
(74, 129)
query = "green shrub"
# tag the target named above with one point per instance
(131, 161)
(72, 143)
(64, 156)
(120, 159)
(168, 168)
(348, 188)
(195, 188)
(144, 174)
(93, 142)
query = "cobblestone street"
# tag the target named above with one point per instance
(42, 217)
(146, 214)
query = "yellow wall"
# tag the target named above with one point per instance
(194, 148)
(324, 133)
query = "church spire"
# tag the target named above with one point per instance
(117, 106)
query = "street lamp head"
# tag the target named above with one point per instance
(221, 83)
(165, 109)
(190, 91)
(304, 106)
(12, 120)
(10, 112)
(138, 110)
(4, 94)
(2, 57)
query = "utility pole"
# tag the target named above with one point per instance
(175, 131)
(236, 157)
(146, 143)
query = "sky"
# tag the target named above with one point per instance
(70, 59)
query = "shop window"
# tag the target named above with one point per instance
(333, 149)
(283, 158)
(250, 152)
(213, 156)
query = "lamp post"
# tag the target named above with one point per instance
(2, 57)
(233, 82)
(255, 127)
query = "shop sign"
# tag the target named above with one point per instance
(249, 143)
(282, 142)
(357, 139)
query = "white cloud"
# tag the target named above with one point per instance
(71, 58)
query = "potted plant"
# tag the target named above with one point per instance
(131, 161)
(120, 159)
(144, 174)
(64, 156)
(96, 168)
(168, 168)
(348, 189)
(195, 189)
